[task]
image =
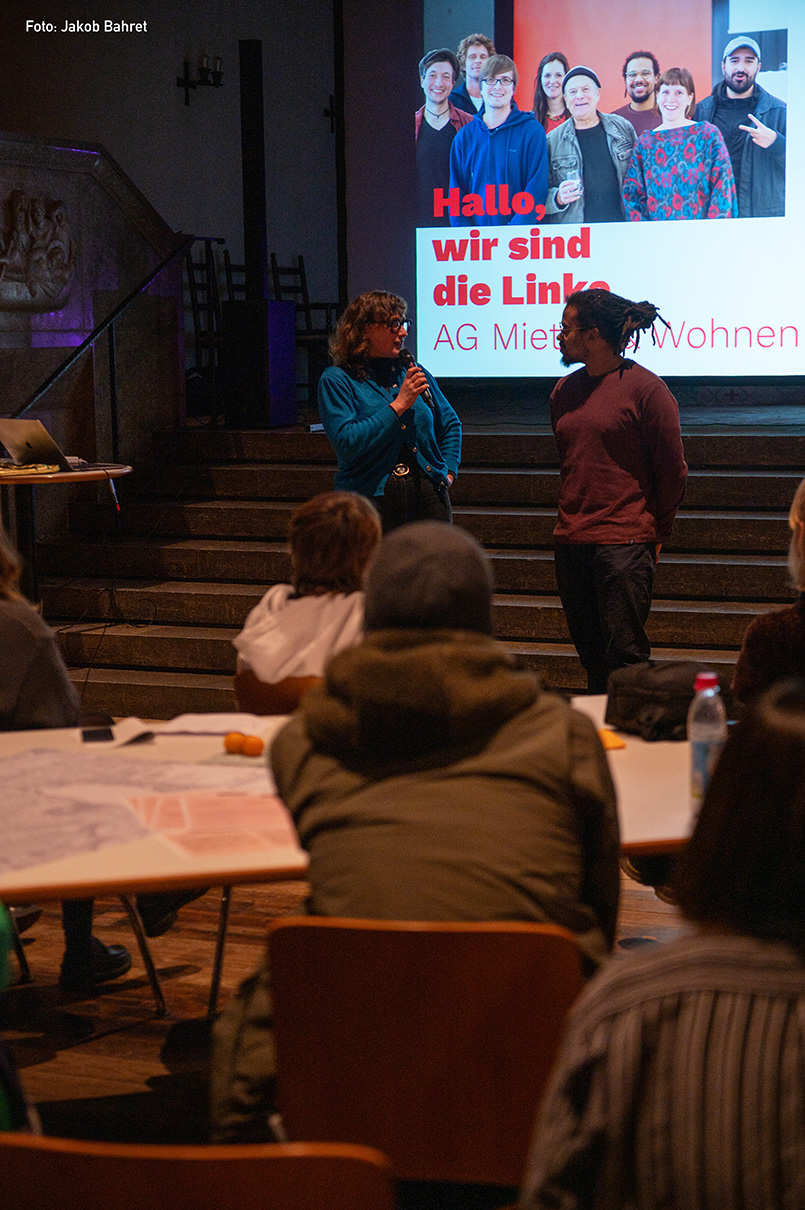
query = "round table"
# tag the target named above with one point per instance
(22, 485)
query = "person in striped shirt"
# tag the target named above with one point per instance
(681, 1082)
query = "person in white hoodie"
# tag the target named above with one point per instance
(296, 628)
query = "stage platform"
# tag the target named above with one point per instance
(521, 405)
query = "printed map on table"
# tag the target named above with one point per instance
(57, 804)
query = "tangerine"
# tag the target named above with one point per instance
(252, 745)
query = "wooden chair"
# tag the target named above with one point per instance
(203, 383)
(235, 276)
(431, 1042)
(39, 1173)
(314, 320)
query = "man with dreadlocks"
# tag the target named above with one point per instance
(622, 479)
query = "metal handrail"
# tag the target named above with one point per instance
(179, 250)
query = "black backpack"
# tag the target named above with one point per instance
(652, 699)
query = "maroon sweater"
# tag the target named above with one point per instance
(622, 465)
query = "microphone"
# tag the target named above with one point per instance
(407, 359)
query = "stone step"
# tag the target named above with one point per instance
(264, 519)
(187, 559)
(742, 449)
(166, 602)
(152, 694)
(209, 649)
(703, 577)
(242, 481)
(206, 650)
(670, 623)
(706, 489)
(688, 576)
(206, 527)
(119, 645)
(762, 489)
(694, 529)
(162, 694)
(178, 603)
(559, 666)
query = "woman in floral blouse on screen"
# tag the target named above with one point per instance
(682, 168)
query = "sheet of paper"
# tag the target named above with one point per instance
(208, 824)
(57, 803)
(266, 726)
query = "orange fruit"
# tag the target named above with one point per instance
(252, 745)
(233, 742)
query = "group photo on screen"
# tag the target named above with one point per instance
(583, 130)
(602, 129)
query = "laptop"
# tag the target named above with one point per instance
(28, 442)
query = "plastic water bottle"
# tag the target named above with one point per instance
(707, 733)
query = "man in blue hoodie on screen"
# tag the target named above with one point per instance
(499, 160)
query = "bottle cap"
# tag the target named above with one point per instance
(705, 680)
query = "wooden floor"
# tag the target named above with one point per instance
(107, 1068)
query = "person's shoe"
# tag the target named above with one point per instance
(25, 915)
(105, 962)
(158, 909)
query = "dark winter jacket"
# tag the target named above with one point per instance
(761, 192)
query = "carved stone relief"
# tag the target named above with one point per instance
(37, 254)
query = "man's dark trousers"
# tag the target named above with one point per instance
(606, 595)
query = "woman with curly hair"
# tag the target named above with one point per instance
(549, 100)
(397, 439)
(682, 168)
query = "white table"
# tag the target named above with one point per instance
(183, 855)
(652, 781)
(150, 863)
(21, 488)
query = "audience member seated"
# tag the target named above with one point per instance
(774, 643)
(680, 1084)
(431, 778)
(36, 692)
(35, 688)
(289, 637)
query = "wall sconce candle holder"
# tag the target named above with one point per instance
(206, 76)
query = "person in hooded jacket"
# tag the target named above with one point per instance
(502, 145)
(430, 777)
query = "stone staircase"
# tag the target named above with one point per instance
(146, 616)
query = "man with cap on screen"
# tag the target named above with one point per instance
(587, 156)
(430, 777)
(753, 124)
